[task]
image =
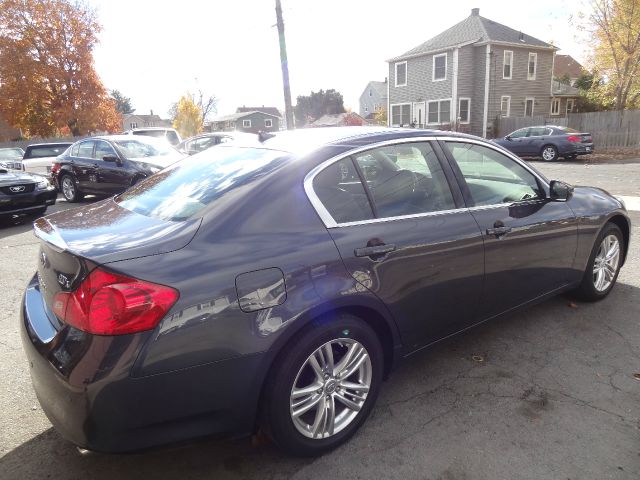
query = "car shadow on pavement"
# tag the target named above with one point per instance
(522, 372)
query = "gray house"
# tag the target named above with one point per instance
(469, 75)
(373, 98)
(251, 122)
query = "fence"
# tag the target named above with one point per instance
(612, 129)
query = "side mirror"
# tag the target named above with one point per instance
(560, 191)
(508, 137)
(112, 158)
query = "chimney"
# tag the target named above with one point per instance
(151, 112)
(475, 12)
(521, 37)
(385, 79)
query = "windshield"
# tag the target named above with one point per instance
(11, 153)
(46, 151)
(184, 189)
(144, 147)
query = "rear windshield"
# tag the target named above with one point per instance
(51, 151)
(185, 188)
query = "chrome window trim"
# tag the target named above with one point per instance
(328, 220)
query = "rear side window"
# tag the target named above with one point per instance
(75, 150)
(340, 190)
(85, 150)
(185, 188)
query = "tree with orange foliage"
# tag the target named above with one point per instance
(48, 83)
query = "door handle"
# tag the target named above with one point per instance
(374, 251)
(498, 231)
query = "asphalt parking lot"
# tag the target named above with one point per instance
(548, 393)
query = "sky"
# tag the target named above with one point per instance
(155, 51)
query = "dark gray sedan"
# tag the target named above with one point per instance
(276, 285)
(548, 142)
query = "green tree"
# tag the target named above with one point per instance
(123, 104)
(615, 25)
(188, 118)
(311, 107)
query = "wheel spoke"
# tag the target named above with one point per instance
(358, 387)
(355, 364)
(348, 403)
(321, 413)
(308, 405)
(613, 251)
(347, 358)
(331, 416)
(317, 369)
(600, 279)
(306, 391)
(328, 351)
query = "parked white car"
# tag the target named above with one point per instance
(39, 158)
(171, 135)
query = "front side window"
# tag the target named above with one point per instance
(75, 150)
(492, 177)
(401, 74)
(405, 180)
(533, 66)
(463, 110)
(519, 133)
(507, 65)
(555, 106)
(401, 115)
(341, 192)
(439, 67)
(439, 111)
(103, 149)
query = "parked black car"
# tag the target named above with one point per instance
(22, 193)
(277, 285)
(199, 143)
(548, 142)
(109, 164)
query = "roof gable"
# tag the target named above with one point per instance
(473, 29)
(566, 65)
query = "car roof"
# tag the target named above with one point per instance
(54, 144)
(308, 139)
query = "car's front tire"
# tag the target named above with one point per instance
(603, 266)
(323, 387)
(549, 153)
(69, 189)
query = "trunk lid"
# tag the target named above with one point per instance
(74, 242)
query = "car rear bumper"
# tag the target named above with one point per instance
(581, 149)
(84, 386)
(26, 203)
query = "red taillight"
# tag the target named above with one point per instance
(107, 303)
(55, 167)
(573, 138)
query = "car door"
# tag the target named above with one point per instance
(84, 168)
(516, 141)
(113, 177)
(530, 240)
(534, 141)
(403, 233)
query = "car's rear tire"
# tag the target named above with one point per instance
(603, 266)
(310, 407)
(69, 189)
(549, 153)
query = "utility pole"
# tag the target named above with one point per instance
(288, 111)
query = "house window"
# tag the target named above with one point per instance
(401, 114)
(375, 107)
(505, 106)
(439, 111)
(464, 105)
(507, 65)
(246, 123)
(533, 65)
(528, 107)
(555, 106)
(366, 109)
(439, 67)
(570, 102)
(370, 93)
(267, 122)
(401, 74)
(133, 125)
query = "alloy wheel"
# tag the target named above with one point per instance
(549, 153)
(330, 389)
(605, 265)
(68, 188)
